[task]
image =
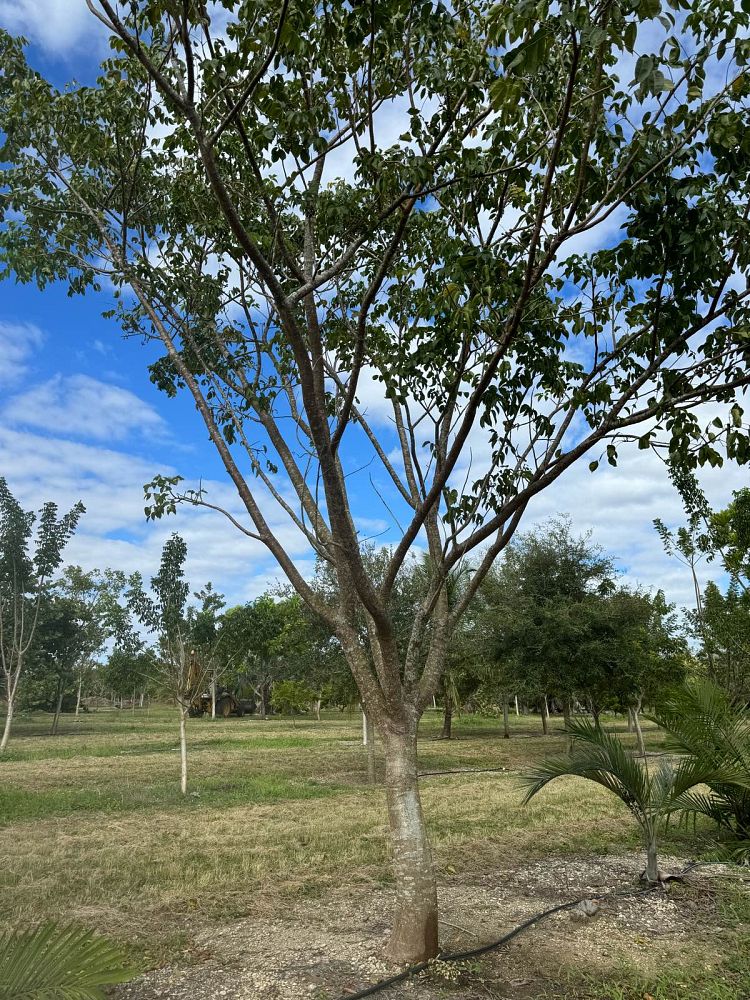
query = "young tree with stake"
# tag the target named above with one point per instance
(448, 275)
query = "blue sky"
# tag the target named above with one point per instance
(79, 418)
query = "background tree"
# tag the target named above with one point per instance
(259, 636)
(443, 272)
(537, 606)
(129, 668)
(206, 638)
(27, 561)
(721, 623)
(55, 656)
(292, 698)
(724, 633)
(631, 652)
(96, 596)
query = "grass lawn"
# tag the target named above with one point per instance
(93, 827)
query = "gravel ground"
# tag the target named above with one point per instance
(326, 950)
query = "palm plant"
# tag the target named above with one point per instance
(652, 794)
(58, 963)
(705, 723)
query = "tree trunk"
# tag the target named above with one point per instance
(652, 863)
(636, 712)
(506, 727)
(8, 722)
(631, 725)
(317, 709)
(566, 720)
(445, 733)
(183, 751)
(414, 937)
(140, 701)
(369, 739)
(545, 716)
(213, 696)
(515, 697)
(58, 707)
(78, 695)
(596, 712)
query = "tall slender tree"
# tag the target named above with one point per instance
(165, 614)
(446, 275)
(31, 549)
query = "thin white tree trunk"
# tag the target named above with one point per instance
(545, 716)
(8, 722)
(78, 695)
(213, 696)
(364, 728)
(638, 731)
(516, 701)
(183, 752)
(370, 744)
(58, 708)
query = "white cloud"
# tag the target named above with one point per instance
(17, 343)
(59, 26)
(618, 505)
(114, 531)
(84, 407)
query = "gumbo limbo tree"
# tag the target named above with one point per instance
(437, 255)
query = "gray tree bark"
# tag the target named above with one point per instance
(415, 925)
(446, 731)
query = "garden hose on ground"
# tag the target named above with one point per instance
(459, 956)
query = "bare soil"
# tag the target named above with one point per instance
(326, 950)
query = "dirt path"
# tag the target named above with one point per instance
(324, 950)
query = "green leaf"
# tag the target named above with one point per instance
(53, 962)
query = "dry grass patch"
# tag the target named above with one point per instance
(93, 824)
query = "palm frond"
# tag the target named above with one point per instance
(58, 963)
(598, 757)
(713, 730)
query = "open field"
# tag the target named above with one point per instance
(281, 835)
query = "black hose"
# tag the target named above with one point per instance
(458, 956)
